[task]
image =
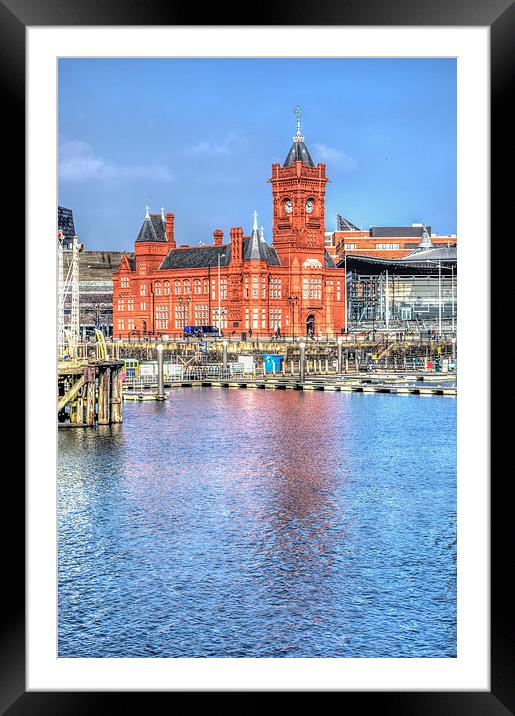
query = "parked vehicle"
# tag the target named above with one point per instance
(200, 331)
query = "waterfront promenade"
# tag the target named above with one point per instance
(400, 365)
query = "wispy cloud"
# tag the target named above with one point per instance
(335, 157)
(78, 162)
(233, 142)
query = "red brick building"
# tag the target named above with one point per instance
(244, 284)
(386, 242)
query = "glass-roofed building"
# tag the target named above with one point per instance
(416, 292)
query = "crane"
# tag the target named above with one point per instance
(68, 286)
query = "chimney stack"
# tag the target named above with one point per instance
(218, 235)
(170, 234)
(236, 244)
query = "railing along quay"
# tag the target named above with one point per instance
(392, 384)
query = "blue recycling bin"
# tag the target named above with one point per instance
(272, 362)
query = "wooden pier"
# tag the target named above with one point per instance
(89, 393)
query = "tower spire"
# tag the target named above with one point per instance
(298, 136)
(147, 215)
(298, 150)
(255, 225)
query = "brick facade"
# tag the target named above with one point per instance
(292, 285)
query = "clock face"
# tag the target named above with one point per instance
(309, 206)
(288, 206)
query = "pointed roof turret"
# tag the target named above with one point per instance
(152, 229)
(255, 248)
(298, 150)
(254, 252)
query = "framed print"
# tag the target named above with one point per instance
(198, 539)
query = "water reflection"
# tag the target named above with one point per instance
(239, 523)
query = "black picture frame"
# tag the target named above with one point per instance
(15, 16)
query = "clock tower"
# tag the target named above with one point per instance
(298, 189)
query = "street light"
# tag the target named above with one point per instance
(225, 343)
(220, 256)
(160, 373)
(340, 346)
(292, 301)
(302, 346)
(184, 310)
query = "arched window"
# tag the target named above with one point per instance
(166, 288)
(206, 285)
(186, 286)
(158, 288)
(197, 286)
(177, 286)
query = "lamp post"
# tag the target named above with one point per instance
(220, 256)
(386, 302)
(439, 298)
(345, 291)
(452, 298)
(340, 341)
(184, 312)
(302, 346)
(160, 376)
(292, 302)
(225, 344)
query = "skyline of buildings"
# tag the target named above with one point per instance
(387, 128)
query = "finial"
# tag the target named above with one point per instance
(255, 226)
(298, 137)
(147, 215)
(163, 213)
(262, 233)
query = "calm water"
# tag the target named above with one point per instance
(261, 524)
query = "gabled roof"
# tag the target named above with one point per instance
(152, 229)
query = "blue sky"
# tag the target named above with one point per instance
(198, 136)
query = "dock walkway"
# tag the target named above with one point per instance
(328, 383)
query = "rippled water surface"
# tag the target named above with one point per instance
(261, 524)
